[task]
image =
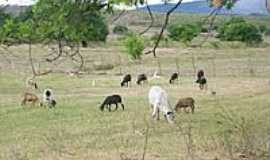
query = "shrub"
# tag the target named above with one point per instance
(134, 45)
(184, 33)
(119, 29)
(237, 29)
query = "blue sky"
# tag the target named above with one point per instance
(28, 2)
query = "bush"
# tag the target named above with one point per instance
(184, 33)
(134, 45)
(237, 29)
(119, 29)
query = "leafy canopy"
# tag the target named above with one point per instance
(184, 33)
(134, 45)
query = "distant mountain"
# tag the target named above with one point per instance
(14, 10)
(242, 7)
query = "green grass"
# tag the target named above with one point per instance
(77, 129)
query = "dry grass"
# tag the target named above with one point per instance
(77, 129)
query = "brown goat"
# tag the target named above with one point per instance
(29, 97)
(185, 103)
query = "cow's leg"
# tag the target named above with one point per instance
(116, 106)
(155, 110)
(109, 107)
(123, 107)
(157, 114)
(185, 109)
(192, 108)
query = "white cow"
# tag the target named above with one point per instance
(158, 99)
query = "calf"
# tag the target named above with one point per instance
(185, 103)
(29, 97)
(141, 78)
(113, 99)
(174, 77)
(158, 100)
(126, 80)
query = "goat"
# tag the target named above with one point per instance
(200, 74)
(141, 78)
(126, 80)
(48, 98)
(185, 103)
(113, 99)
(158, 100)
(174, 77)
(29, 97)
(201, 80)
(32, 83)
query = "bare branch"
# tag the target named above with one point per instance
(211, 18)
(152, 19)
(164, 27)
(122, 13)
(60, 52)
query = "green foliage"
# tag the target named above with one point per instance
(9, 31)
(69, 20)
(237, 29)
(264, 29)
(134, 45)
(119, 29)
(3, 17)
(184, 33)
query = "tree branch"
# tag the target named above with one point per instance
(119, 16)
(152, 19)
(164, 27)
(212, 15)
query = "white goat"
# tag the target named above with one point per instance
(158, 99)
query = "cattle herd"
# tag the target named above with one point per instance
(158, 97)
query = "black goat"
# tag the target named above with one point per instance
(174, 77)
(141, 78)
(126, 80)
(201, 80)
(113, 99)
(200, 74)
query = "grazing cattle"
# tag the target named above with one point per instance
(185, 103)
(158, 100)
(126, 80)
(30, 98)
(201, 80)
(113, 99)
(174, 77)
(48, 98)
(141, 78)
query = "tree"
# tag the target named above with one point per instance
(237, 29)
(134, 45)
(184, 33)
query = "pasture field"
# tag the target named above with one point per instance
(233, 124)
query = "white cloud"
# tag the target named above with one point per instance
(29, 2)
